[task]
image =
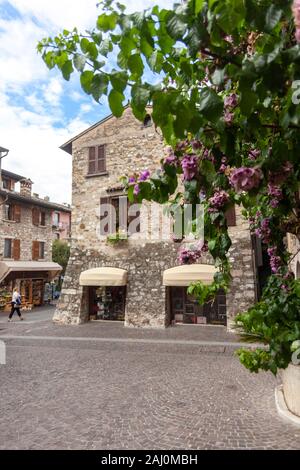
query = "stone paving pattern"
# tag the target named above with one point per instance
(109, 395)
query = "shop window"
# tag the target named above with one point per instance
(7, 248)
(97, 160)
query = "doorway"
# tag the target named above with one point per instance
(185, 309)
(107, 303)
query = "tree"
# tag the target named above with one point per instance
(61, 254)
(227, 103)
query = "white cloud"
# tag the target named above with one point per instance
(53, 91)
(33, 114)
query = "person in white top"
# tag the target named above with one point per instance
(15, 304)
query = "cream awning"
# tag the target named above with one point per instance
(187, 273)
(105, 276)
(6, 267)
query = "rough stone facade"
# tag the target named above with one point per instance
(26, 232)
(131, 147)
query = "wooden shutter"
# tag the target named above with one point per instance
(101, 159)
(35, 250)
(92, 160)
(103, 215)
(231, 217)
(17, 213)
(16, 250)
(35, 216)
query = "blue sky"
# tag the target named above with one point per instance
(38, 109)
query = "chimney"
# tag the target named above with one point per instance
(25, 187)
(35, 195)
(47, 198)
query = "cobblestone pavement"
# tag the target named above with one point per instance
(173, 394)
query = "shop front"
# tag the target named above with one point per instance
(31, 278)
(106, 292)
(184, 308)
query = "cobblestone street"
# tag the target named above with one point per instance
(182, 388)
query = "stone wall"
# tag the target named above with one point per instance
(26, 232)
(130, 147)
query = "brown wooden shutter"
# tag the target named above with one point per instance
(35, 216)
(35, 250)
(231, 217)
(16, 250)
(101, 159)
(17, 213)
(92, 160)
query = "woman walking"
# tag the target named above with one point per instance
(15, 304)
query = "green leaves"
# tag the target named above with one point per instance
(272, 17)
(136, 66)
(79, 61)
(211, 105)
(140, 97)
(119, 80)
(115, 101)
(107, 22)
(86, 80)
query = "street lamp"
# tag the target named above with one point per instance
(3, 153)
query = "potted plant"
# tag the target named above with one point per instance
(120, 236)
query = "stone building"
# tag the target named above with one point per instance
(138, 280)
(26, 237)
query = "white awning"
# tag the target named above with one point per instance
(7, 267)
(187, 273)
(105, 276)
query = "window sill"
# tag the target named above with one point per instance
(11, 221)
(91, 175)
(42, 226)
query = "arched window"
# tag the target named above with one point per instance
(147, 121)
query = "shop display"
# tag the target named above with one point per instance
(107, 303)
(5, 299)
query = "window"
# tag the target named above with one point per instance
(12, 212)
(8, 212)
(38, 250)
(42, 218)
(56, 218)
(97, 160)
(118, 216)
(7, 248)
(57, 236)
(7, 184)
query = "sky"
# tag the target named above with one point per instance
(39, 110)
